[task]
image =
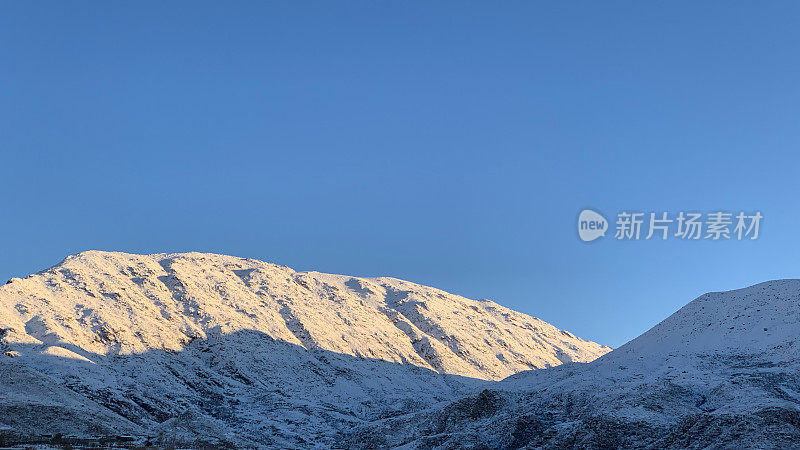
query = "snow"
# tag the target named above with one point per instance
(180, 347)
(723, 371)
(199, 349)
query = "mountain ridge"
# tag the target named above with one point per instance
(174, 298)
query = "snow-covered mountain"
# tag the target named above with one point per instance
(722, 372)
(195, 349)
(199, 348)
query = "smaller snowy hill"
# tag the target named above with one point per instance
(722, 372)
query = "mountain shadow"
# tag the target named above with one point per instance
(243, 389)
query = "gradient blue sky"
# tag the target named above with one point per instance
(447, 143)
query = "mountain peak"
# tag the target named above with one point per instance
(760, 319)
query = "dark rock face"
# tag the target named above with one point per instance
(772, 428)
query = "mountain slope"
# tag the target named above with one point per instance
(724, 372)
(118, 303)
(185, 346)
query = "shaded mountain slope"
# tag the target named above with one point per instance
(241, 389)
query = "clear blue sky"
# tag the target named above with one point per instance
(447, 143)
